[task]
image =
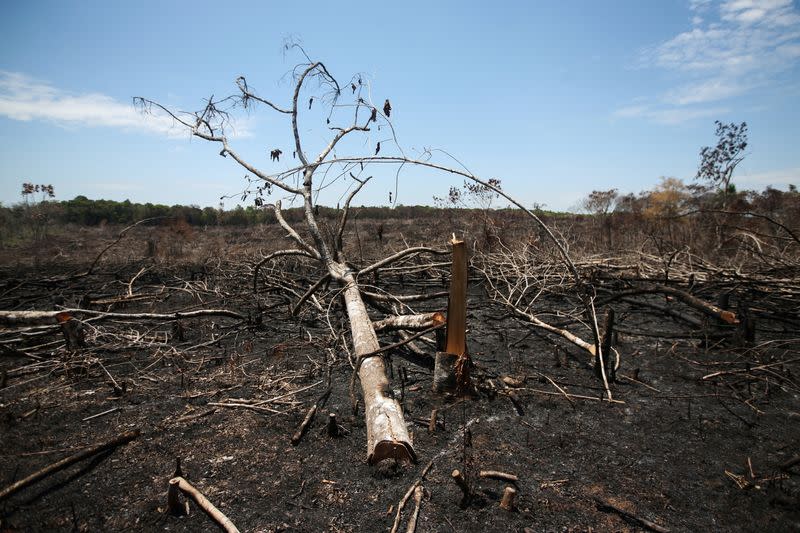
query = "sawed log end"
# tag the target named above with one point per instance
(387, 449)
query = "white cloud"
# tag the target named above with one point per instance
(672, 115)
(711, 90)
(25, 99)
(732, 48)
(776, 178)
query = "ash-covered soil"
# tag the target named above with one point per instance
(682, 452)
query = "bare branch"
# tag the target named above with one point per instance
(346, 209)
(247, 95)
(309, 293)
(399, 255)
(292, 233)
(273, 255)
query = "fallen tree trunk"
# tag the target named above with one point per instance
(387, 436)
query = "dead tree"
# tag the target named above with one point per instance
(387, 436)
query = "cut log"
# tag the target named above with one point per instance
(387, 435)
(410, 322)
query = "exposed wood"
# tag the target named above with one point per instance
(364, 357)
(174, 504)
(466, 493)
(402, 503)
(387, 436)
(98, 415)
(496, 474)
(509, 495)
(457, 303)
(67, 461)
(410, 322)
(412, 522)
(333, 425)
(700, 305)
(451, 368)
(571, 337)
(687, 298)
(568, 396)
(32, 318)
(215, 514)
(432, 421)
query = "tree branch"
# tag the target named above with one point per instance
(273, 255)
(276, 207)
(399, 255)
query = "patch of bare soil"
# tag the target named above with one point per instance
(679, 449)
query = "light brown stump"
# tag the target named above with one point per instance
(509, 494)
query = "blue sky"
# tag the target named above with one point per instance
(553, 98)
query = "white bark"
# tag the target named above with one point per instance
(410, 322)
(387, 436)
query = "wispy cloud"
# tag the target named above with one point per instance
(26, 99)
(733, 48)
(668, 115)
(775, 178)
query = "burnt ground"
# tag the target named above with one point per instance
(685, 453)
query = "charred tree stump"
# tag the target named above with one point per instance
(73, 331)
(606, 344)
(451, 367)
(466, 493)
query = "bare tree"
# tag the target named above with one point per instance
(387, 436)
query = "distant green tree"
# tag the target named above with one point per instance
(718, 163)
